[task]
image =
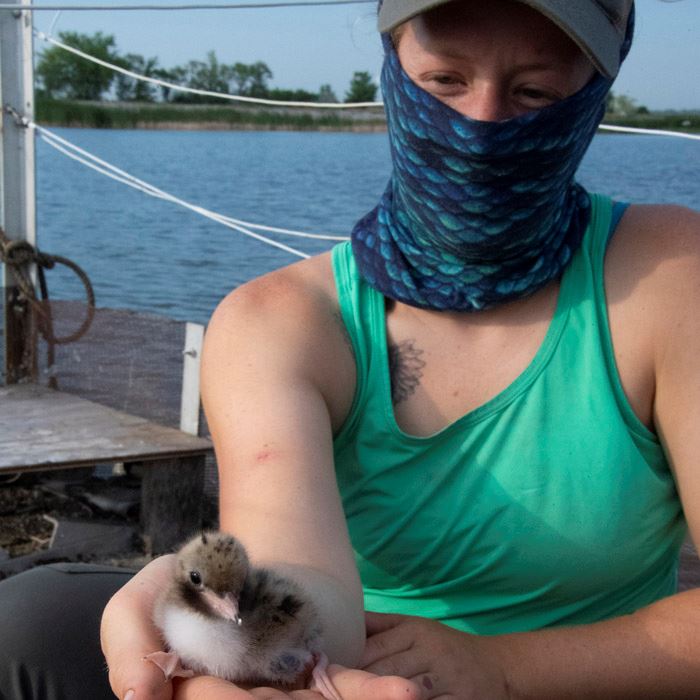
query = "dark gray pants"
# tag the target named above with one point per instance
(50, 632)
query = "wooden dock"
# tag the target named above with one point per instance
(43, 429)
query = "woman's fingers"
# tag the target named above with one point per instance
(390, 640)
(406, 664)
(127, 635)
(213, 688)
(352, 684)
(431, 687)
(380, 622)
(146, 682)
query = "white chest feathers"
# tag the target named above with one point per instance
(203, 644)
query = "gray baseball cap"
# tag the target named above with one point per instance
(597, 26)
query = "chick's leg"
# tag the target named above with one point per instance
(320, 680)
(169, 664)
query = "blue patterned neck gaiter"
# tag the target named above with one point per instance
(476, 213)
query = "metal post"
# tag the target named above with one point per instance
(17, 184)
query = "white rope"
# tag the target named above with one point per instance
(197, 91)
(650, 132)
(184, 6)
(103, 167)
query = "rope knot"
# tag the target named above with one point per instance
(45, 260)
(17, 253)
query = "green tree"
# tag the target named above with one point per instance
(291, 95)
(131, 89)
(63, 74)
(208, 75)
(259, 75)
(362, 89)
(250, 79)
(177, 76)
(326, 94)
(623, 105)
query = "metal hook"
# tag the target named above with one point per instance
(20, 121)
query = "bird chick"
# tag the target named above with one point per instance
(220, 616)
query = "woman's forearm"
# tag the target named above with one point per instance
(653, 653)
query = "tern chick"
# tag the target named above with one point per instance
(220, 616)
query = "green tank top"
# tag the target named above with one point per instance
(550, 504)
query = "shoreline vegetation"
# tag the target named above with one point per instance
(164, 116)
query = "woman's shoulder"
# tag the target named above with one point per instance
(656, 245)
(302, 293)
(290, 316)
(653, 264)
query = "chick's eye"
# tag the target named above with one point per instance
(196, 578)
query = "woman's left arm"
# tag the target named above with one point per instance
(652, 653)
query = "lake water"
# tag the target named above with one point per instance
(147, 254)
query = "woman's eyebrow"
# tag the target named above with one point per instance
(457, 54)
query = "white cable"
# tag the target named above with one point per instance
(115, 173)
(185, 6)
(54, 22)
(103, 167)
(175, 200)
(650, 132)
(197, 91)
(131, 180)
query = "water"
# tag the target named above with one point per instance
(151, 255)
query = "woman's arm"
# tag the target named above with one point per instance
(274, 364)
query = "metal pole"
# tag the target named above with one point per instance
(17, 183)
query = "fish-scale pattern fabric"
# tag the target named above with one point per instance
(476, 213)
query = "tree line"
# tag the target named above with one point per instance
(63, 75)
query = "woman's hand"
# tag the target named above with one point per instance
(128, 634)
(443, 662)
(351, 684)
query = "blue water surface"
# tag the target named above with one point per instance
(152, 255)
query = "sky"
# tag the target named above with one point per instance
(308, 47)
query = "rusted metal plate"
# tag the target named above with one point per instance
(43, 429)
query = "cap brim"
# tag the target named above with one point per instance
(590, 29)
(393, 14)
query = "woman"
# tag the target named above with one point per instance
(496, 405)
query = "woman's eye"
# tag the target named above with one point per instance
(441, 79)
(538, 97)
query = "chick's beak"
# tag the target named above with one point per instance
(225, 606)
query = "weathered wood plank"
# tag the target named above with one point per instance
(171, 502)
(44, 429)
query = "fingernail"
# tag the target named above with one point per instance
(129, 695)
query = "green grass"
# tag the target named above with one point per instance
(669, 121)
(105, 115)
(123, 116)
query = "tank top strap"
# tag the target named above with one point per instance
(362, 314)
(595, 242)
